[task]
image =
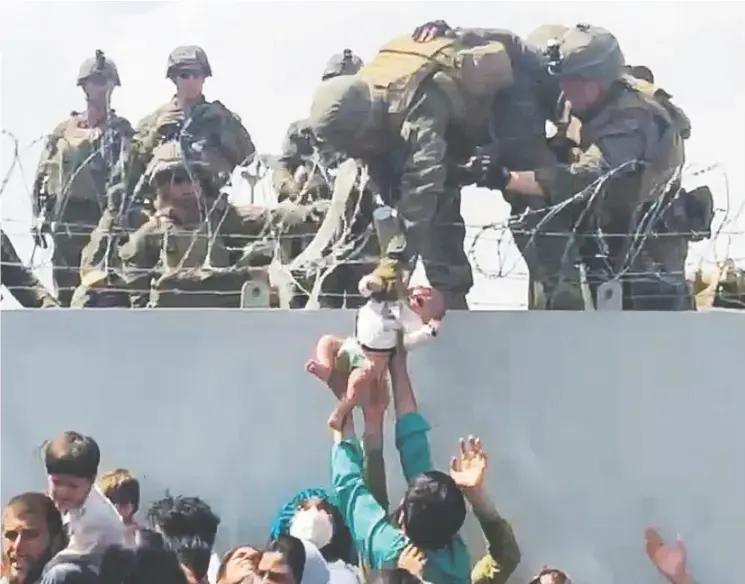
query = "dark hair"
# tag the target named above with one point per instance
(120, 487)
(41, 505)
(74, 454)
(433, 510)
(149, 562)
(293, 552)
(189, 527)
(392, 576)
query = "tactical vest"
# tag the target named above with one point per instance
(202, 137)
(185, 248)
(678, 117)
(76, 167)
(470, 76)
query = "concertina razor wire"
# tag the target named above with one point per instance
(494, 240)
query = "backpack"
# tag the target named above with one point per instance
(470, 76)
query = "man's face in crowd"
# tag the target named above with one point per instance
(274, 570)
(26, 545)
(68, 492)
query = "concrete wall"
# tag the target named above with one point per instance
(597, 424)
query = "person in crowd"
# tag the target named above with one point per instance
(91, 520)
(33, 535)
(189, 528)
(312, 516)
(289, 560)
(433, 508)
(121, 488)
(549, 575)
(238, 565)
(147, 561)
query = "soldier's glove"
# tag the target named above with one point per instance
(432, 30)
(488, 174)
(563, 148)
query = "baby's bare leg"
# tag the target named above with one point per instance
(326, 349)
(359, 382)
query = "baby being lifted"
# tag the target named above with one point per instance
(355, 365)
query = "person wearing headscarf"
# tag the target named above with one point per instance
(313, 516)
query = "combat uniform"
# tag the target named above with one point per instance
(517, 138)
(633, 134)
(296, 178)
(412, 115)
(20, 281)
(76, 166)
(203, 263)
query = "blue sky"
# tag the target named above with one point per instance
(267, 57)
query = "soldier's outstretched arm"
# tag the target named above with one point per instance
(622, 142)
(20, 281)
(425, 167)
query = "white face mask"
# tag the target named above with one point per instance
(312, 525)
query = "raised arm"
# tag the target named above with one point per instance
(377, 541)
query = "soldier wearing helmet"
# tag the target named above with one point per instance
(631, 146)
(185, 254)
(517, 138)
(79, 161)
(294, 177)
(199, 125)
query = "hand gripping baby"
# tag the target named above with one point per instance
(356, 365)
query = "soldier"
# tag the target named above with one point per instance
(634, 137)
(20, 281)
(75, 169)
(517, 138)
(207, 127)
(295, 178)
(297, 148)
(190, 252)
(412, 115)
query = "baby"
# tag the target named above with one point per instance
(355, 365)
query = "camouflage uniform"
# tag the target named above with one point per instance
(294, 178)
(20, 281)
(209, 127)
(404, 115)
(634, 128)
(518, 140)
(70, 185)
(167, 262)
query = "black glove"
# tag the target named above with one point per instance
(488, 174)
(432, 30)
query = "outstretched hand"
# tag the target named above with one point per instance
(469, 470)
(670, 560)
(432, 30)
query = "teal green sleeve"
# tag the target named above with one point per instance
(377, 541)
(413, 446)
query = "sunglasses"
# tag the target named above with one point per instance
(189, 75)
(172, 178)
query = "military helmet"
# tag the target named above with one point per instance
(540, 37)
(189, 58)
(344, 63)
(591, 52)
(99, 65)
(340, 111)
(171, 157)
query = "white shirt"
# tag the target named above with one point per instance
(380, 322)
(93, 527)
